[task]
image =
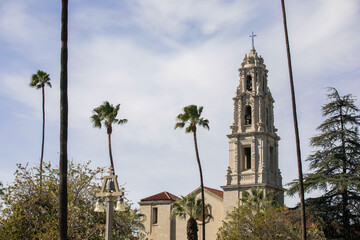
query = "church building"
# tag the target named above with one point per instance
(253, 159)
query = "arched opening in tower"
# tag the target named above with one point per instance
(247, 115)
(248, 83)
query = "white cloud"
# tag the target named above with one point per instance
(15, 23)
(324, 36)
(176, 19)
(175, 54)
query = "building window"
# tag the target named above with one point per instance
(248, 83)
(247, 158)
(155, 215)
(247, 115)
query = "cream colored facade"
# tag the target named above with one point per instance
(163, 228)
(172, 229)
(253, 158)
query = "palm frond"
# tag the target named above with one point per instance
(106, 113)
(189, 129)
(190, 206)
(204, 123)
(95, 119)
(40, 79)
(191, 117)
(179, 125)
(121, 121)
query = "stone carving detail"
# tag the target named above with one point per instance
(228, 176)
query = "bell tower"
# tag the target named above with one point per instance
(253, 142)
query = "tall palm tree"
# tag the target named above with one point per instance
(63, 193)
(191, 207)
(192, 117)
(296, 128)
(106, 114)
(39, 80)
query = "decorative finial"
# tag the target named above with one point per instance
(252, 38)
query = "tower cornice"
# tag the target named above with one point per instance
(250, 134)
(253, 66)
(243, 187)
(252, 94)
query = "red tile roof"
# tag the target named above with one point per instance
(161, 196)
(168, 196)
(218, 193)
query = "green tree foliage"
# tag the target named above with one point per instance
(191, 207)
(335, 166)
(1, 189)
(106, 115)
(39, 80)
(192, 118)
(259, 217)
(28, 213)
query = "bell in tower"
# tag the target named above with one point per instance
(253, 142)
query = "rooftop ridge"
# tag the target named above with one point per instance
(161, 197)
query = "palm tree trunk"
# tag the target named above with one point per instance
(191, 229)
(202, 185)
(298, 152)
(63, 123)
(110, 154)
(43, 136)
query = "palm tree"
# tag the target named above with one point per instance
(191, 207)
(296, 127)
(63, 193)
(106, 114)
(40, 80)
(192, 117)
(257, 199)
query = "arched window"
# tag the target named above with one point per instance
(247, 115)
(248, 83)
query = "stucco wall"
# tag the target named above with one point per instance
(164, 228)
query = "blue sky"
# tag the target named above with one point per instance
(155, 57)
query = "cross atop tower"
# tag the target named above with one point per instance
(252, 38)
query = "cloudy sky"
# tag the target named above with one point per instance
(155, 57)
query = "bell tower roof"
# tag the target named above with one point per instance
(252, 52)
(252, 59)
